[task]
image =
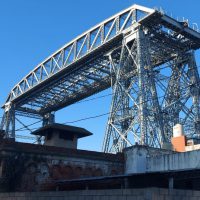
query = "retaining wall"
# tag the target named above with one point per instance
(117, 194)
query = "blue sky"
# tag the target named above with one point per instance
(32, 30)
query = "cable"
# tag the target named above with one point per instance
(103, 96)
(100, 97)
(83, 119)
(87, 100)
(86, 118)
(28, 125)
(100, 115)
(24, 137)
(26, 130)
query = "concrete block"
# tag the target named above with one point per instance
(161, 197)
(155, 196)
(113, 192)
(45, 197)
(136, 161)
(19, 194)
(81, 197)
(194, 198)
(72, 193)
(118, 197)
(172, 192)
(90, 192)
(4, 195)
(70, 198)
(177, 197)
(57, 198)
(168, 197)
(35, 194)
(141, 197)
(47, 194)
(126, 192)
(16, 198)
(163, 191)
(188, 192)
(105, 197)
(121, 197)
(131, 197)
(184, 198)
(27, 198)
(33, 198)
(9, 197)
(56, 193)
(21, 198)
(196, 193)
(100, 192)
(89, 197)
(148, 194)
(1, 195)
(180, 192)
(138, 191)
(96, 197)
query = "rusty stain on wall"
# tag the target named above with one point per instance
(25, 167)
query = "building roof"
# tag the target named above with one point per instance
(7, 145)
(65, 129)
(183, 179)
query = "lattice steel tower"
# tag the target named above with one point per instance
(156, 86)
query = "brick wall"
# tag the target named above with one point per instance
(118, 194)
(27, 166)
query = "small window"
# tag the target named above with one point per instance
(66, 136)
(48, 136)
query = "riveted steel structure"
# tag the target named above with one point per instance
(146, 57)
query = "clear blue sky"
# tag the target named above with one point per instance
(32, 30)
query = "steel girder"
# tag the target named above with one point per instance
(128, 52)
(156, 87)
(84, 45)
(76, 71)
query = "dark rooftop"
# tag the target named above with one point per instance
(64, 129)
(27, 148)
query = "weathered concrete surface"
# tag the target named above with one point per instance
(141, 159)
(175, 161)
(137, 158)
(117, 194)
(192, 147)
(56, 141)
(24, 167)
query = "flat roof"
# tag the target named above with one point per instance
(65, 129)
(7, 145)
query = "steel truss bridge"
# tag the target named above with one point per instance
(146, 57)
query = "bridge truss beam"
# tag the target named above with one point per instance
(148, 99)
(146, 57)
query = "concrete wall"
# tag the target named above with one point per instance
(118, 194)
(37, 172)
(175, 161)
(137, 158)
(141, 159)
(56, 141)
(27, 166)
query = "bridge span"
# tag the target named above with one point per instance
(146, 57)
